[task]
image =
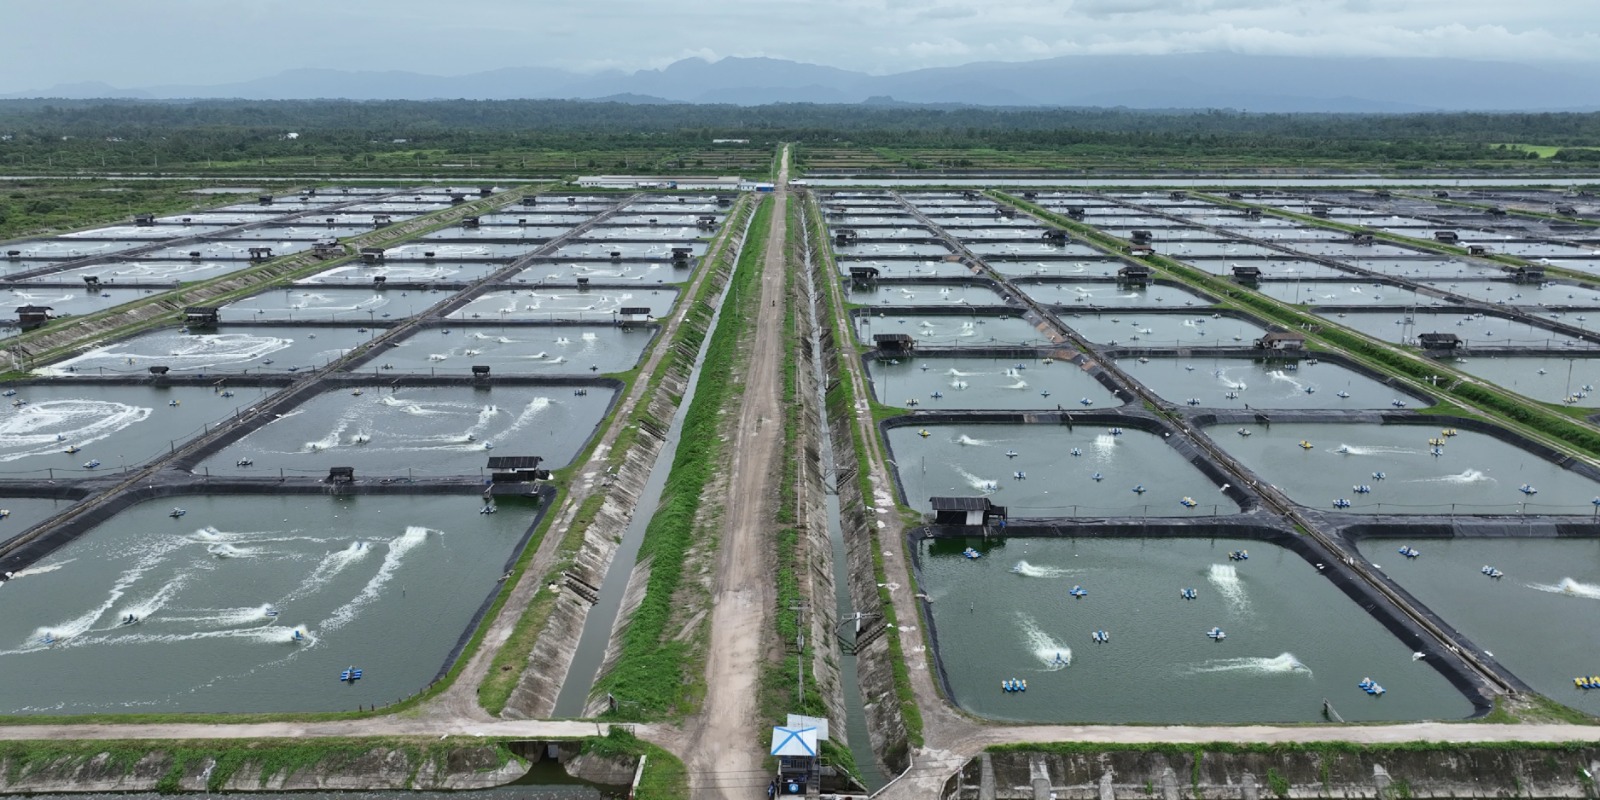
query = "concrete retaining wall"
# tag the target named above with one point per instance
(1308, 772)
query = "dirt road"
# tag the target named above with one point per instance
(724, 743)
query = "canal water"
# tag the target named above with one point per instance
(1473, 473)
(1259, 383)
(960, 460)
(1008, 615)
(985, 384)
(423, 431)
(385, 584)
(1539, 620)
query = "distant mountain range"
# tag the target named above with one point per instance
(1191, 81)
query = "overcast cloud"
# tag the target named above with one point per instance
(129, 43)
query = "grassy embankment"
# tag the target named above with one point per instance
(512, 657)
(650, 676)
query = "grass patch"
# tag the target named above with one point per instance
(664, 777)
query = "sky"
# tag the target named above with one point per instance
(133, 43)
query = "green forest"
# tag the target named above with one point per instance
(547, 137)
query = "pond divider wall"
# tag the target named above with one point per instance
(1273, 532)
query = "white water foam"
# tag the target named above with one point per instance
(1282, 664)
(984, 485)
(1465, 477)
(1035, 571)
(1052, 654)
(1570, 587)
(1226, 578)
(32, 430)
(968, 441)
(1372, 450)
(398, 548)
(41, 569)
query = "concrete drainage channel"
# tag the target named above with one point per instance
(604, 582)
(849, 685)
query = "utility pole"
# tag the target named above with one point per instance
(800, 648)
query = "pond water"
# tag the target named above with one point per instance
(908, 269)
(515, 350)
(1552, 379)
(1146, 329)
(965, 459)
(1292, 638)
(1035, 250)
(1476, 331)
(1427, 268)
(1065, 293)
(1259, 383)
(70, 301)
(1277, 268)
(147, 272)
(946, 330)
(229, 349)
(423, 431)
(1473, 473)
(565, 304)
(661, 250)
(891, 250)
(925, 294)
(602, 272)
(151, 232)
(1543, 622)
(984, 383)
(118, 426)
(385, 584)
(1049, 268)
(1345, 293)
(23, 513)
(232, 248)
(534, 234)
(485, 250)
(323, 304)
(403, 272)
(1523, 294)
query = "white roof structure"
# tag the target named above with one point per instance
(794, 742)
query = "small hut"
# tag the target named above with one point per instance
(629, 316)
(1249, 275)
(1282, 340)
(341, 476)
(372, 255)
(201, 317)
(967, 511)
(31, 317)
(1446, 237)
(1532, 273)
(144, 220)
(259, 253)
(1439, 341)
(863, 276)
(894, 344)
(1135, 275)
